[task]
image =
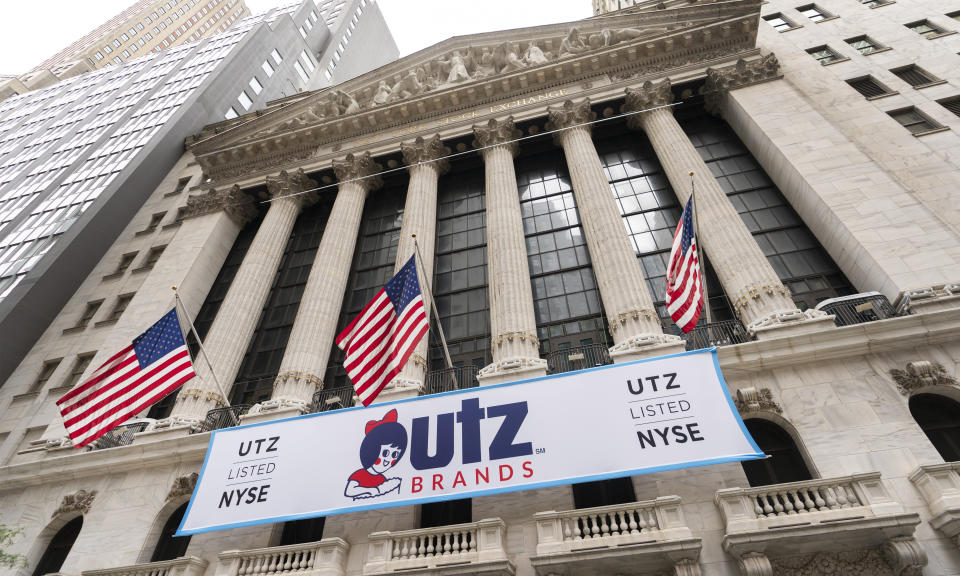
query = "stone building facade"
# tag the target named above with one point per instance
(542, 172)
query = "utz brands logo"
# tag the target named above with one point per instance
(385, 443)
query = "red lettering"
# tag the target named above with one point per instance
(528, 469)
(416, 484)
(459, 479)
(485, 474)
(437, 479)
(509, 469)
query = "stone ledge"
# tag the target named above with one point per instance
(652, 556)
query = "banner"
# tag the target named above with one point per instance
(619, 420)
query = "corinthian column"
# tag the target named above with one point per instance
(425, 161)
(513, 326)
(759, 298)
(232, 329)
(634, 322)
(308, 349)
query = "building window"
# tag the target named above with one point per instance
(276, 56)
(122, 302)
(926, 29)
(245, 100)
(784, 462)
(955, 15)
(869, 87)
(814, 12)
(152, 256)
(952, 104)
(308, 61)
(155, 220)
(914, 120)
(255, 85)
(915, 76)
(59, 547)
(46, 371)
(230, 114)
(88, 313)
(603, 493)
(98, 55)
(876, 3)
(864, 45)
(181, 186)
(79, 367)
(125, 261)
(302, 531)
(170, 547)
(779, 22)
(446, 513)
(267, 68)
(939, 418)
(824, 55)
(126, 54)
(107, 49)
(301, 71)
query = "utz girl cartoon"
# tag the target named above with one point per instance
(382, 447)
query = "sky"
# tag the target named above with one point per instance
(29, 32)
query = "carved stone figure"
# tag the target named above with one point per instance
(921, 374)
(573, 44)
(80, 501)
(608, 37)
(409, 85)
(505, 58)
(183, 486)
(534, 56)
(750, 399)
(382, 96)
(346, 103)
(456, 68)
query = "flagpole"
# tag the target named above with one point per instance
(183, 308)
(700, 252)
(433, 308)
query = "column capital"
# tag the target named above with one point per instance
(720, 81)
(570, 114)
(497, 132)
(238, 206)
(356, 166)
(293, 184)
(430, 150)
(649, 95)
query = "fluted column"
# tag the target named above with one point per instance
(634, 322)
(226, 342)
(425, 161)
(513, 326)
(311, 339)
(759, 298)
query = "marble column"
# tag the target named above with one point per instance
(426, 162)
(513, 326)
(759, 298)
(311, 339)
(633, 320)
(229, 336)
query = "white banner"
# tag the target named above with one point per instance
(619, 420)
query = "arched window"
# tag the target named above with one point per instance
(939, 417)
(785, 463)
(168, 545)
(59, 547)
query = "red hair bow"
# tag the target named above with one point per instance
(391, 416)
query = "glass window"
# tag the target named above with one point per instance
(255, 85)
(125, 261)
(784, 462)
(876, 3)
(79, 367)
(46, 371)
(915, 76)
(152, 256)
(869, 87)
(170, 547)
(939, 418)
(88, 313)
(824, 54)
(952, 104)
(58, 548)
(118, 309)
(955, 15)
(913, 120)
(813, 12)
(926, 29)
(107, 49)
(864, 44)
(230, 114)
(267, 68)
(276, 56)
(124, 37)
(301, 71)
(779, 22)
(245, 100)
(98, 55)
(303, 32)
(307, 60)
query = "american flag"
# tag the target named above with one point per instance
(154, 365)
(381, 338)
(684, 292)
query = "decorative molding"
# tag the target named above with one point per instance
(922, 374)
(496, 133)
(750, 399)
(294, 185)
(720, 81)
(648, 96)
(868, 562)
(183, 486)
(238, 206)
(359, 168)
(430, 150)
(80, 501)
(569, 115)
(755, 564)
(905, 556)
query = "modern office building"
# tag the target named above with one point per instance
(543, 171)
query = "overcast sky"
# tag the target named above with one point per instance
(31, 32)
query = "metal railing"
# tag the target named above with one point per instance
(325, 400)
(859, 308)
(449, 379)
(578, 358)
(722, 333)
(220, 418)
(121, 435)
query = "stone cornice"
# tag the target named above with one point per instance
(721, 81)
(233, 201)
(294, 185)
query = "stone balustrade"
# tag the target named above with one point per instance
(597, 540)
(184, 566)
(940, 486)
(474, 548)
(327, 557)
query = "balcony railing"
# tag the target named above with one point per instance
(722, 333)
(858, 308)
(122, 435)
(449, 379)
(325, 400)
(185, 566)
(472, 548)
(227, 417)
(327, 557)
(578, 358)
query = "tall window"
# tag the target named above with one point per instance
(785, 463)
(926, 29)
(79, 367)
(939, 417)
(864, 45)
(302, 531)
(915, 76)
(603, 493)
(913, 120)
(869, 87)
(446, 513)
(779, 22)
(46, 371)
(825, 55)
(169, 546)
(59, 547)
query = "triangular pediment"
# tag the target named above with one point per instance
(470, 70)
